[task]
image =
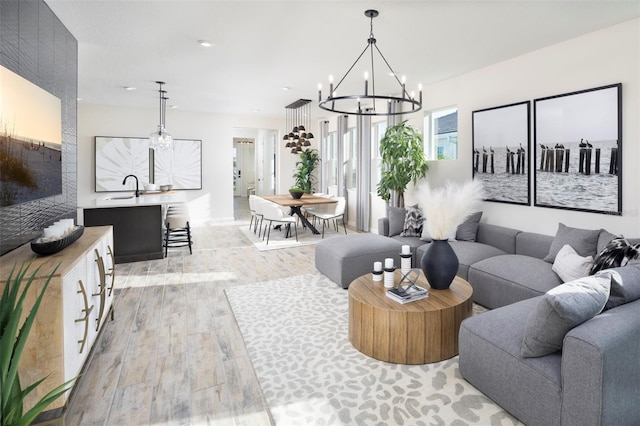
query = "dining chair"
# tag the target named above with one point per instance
(332, 212)
(253, 200)
(258, 203)
(273, 213)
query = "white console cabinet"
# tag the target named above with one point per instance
(75, 307)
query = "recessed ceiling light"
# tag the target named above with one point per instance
(255, 110)
(79, 99)
(205, 43)
(129, 88)
(174, 106)
(285, 88)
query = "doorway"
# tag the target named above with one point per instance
(254, 162)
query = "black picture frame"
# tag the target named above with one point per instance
(116, 157)
(578, 150)
(501, 152)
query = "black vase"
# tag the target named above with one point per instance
(439, 264)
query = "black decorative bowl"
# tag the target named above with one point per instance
(40, 246)
(296, 194)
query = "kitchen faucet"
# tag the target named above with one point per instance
(136, 178)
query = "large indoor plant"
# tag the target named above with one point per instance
(305, 166)
(13, 338)
(403, 161)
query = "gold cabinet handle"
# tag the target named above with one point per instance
(87, 311)
(112, 270)
(102, 285)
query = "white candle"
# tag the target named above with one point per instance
(377, 266)
(48, 232)
(388, 262)
(406, 249)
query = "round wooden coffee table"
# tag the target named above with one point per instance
(418, 332)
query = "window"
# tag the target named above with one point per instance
(332, 159)
(441, 134)
(377, 133)
(350, 158)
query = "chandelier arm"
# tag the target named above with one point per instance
(348, 71)
(404, 92)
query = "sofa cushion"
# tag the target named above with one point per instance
(625, 285)
(583, 241)
(396, 220)
(603, 239)
(467, 252)
(503, 280)
(467, 230)
(618, 252)
(413, 222)
(561, 309)
(570, 266)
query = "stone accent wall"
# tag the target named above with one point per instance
(37, 46)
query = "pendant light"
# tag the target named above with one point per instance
(160, 140)
(298, 120)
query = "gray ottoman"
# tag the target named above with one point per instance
(343, 259)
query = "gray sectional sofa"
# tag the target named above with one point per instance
(594, 379)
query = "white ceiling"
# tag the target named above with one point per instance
(263, 46)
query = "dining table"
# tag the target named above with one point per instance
(296, 204)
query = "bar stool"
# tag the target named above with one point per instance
(177, 229)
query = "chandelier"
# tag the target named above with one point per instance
(161, 140)
(298, 121)
(355, 104)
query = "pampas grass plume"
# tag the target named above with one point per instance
(447, 207)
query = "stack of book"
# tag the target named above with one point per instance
(410, 295)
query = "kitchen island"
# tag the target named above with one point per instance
(136, 221)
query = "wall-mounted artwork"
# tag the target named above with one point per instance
(117, 157)
(578, 150)
(30, 141)
(181, 167)
(501, 152)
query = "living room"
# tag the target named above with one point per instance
(608, 55)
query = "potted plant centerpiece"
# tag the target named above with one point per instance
(403, 161)
(303, 175)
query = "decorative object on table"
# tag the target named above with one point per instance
(161, 140)
(296, 193)
(52, 242)
(444, 210)
(389, 273)
(305, 166)
(409, 294)
(377, 271)
(298, 135)
(578, 150)
(405, 260)
(501, 140)
(365, 103)
(12, 343)
(165, 188)
(403, 161)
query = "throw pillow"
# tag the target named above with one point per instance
(396, 220)
(570, 266)
(467, 230)
(625, 285)
(413, 222)
(583, 241)
(561, 309)
(617, 253)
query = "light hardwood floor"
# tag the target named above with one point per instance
(174, 354)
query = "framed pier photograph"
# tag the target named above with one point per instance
(501, 139)
(578, 150)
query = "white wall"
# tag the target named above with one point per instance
(215, 201)
(604, 57)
